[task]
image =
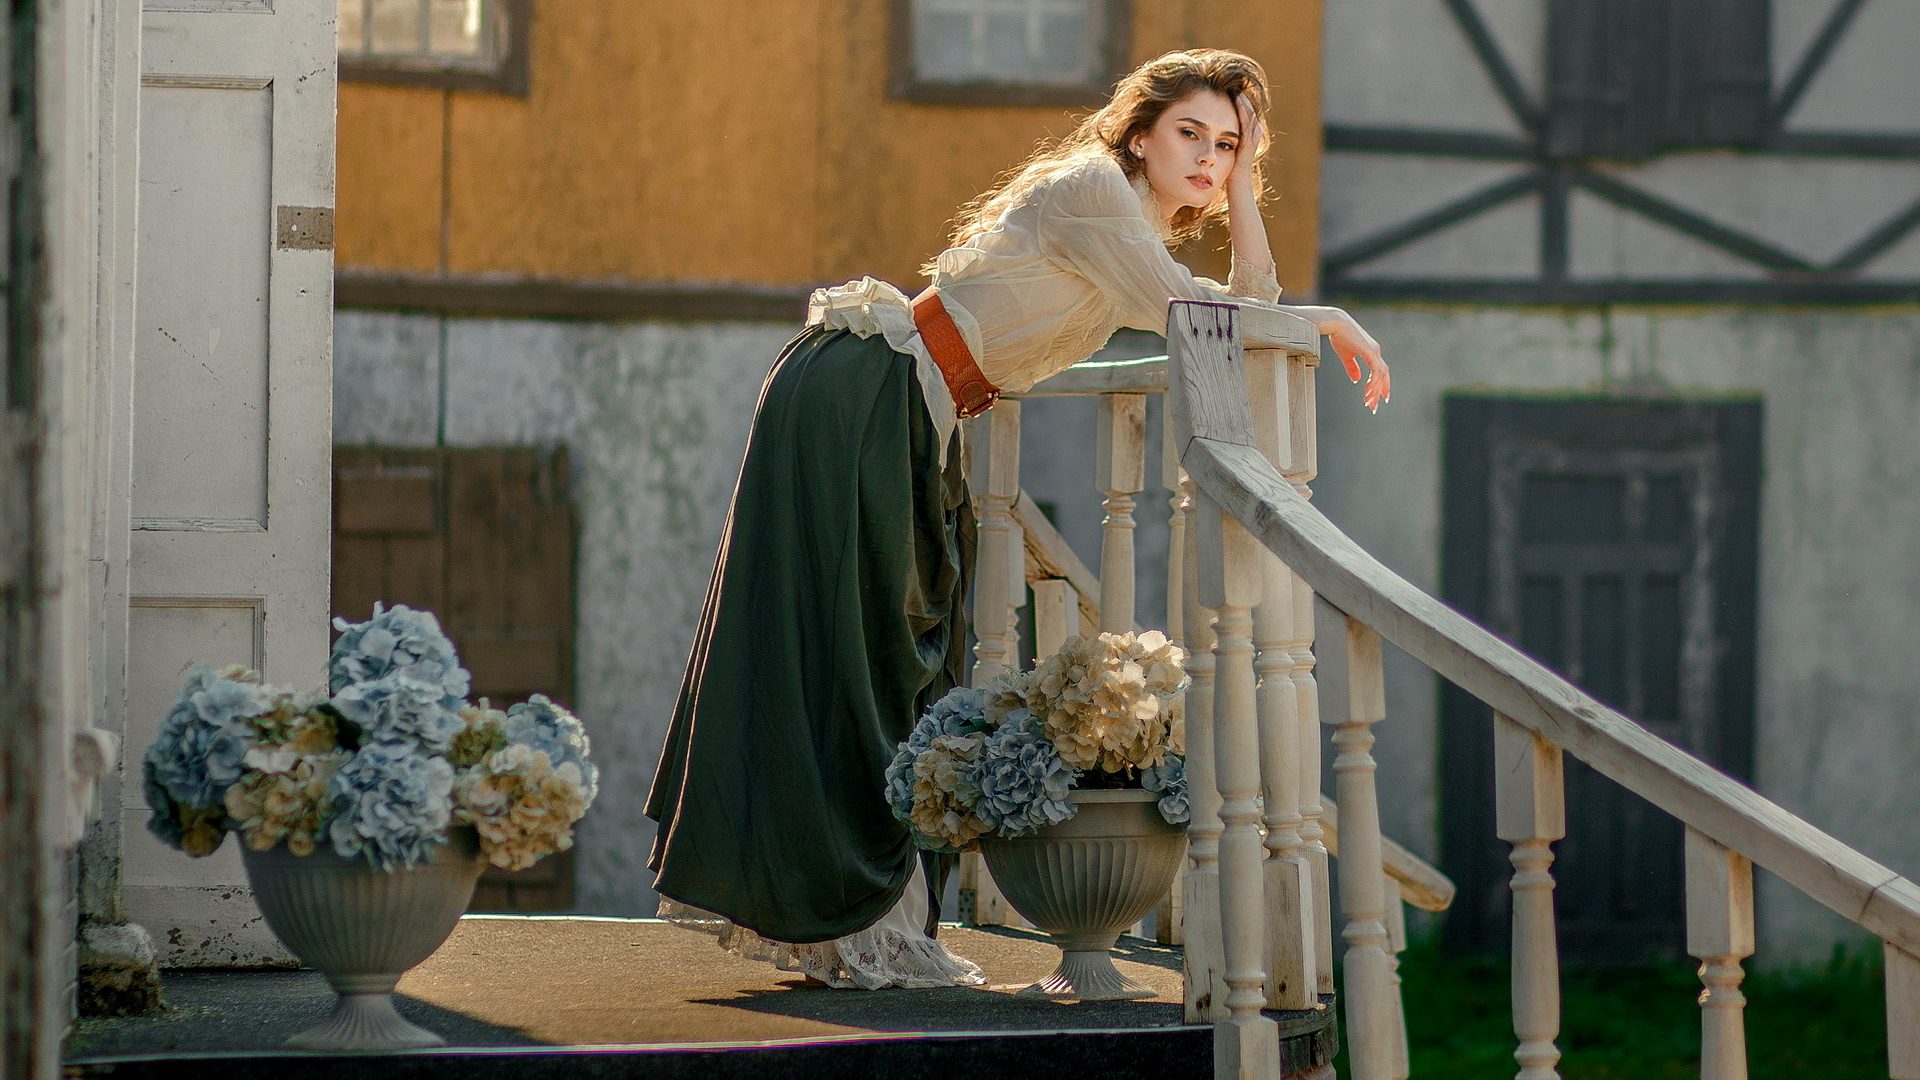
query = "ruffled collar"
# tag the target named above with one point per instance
(1150, 206)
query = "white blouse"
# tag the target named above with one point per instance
(1082, 256)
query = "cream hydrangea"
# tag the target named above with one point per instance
(944, 791)
(283, 796)
(1112, 702)
(282, 790)
(522, 806)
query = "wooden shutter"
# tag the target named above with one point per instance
(1630, 78)
(485, 540)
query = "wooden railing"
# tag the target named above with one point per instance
(1292, 838)
(1249, 508)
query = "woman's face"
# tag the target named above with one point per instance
(1190, 151)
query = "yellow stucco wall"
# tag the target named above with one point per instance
(744, 142)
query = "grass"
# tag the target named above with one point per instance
(1643, 1023)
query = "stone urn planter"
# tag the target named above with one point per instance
(1086, 880)
(363, 928)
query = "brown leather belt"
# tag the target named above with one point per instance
(972, 393)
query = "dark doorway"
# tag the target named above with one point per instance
(484, 539)
(1616, 542)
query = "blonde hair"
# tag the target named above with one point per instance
(1136, 106)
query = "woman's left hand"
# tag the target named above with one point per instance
(1353, 344)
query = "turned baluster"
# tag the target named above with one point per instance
(1302, 465)
(999, 589)
(993, 596)
(1056, 615)
(1169, 923)
(1364, 967)
(1530, 813)
(1246, 1043)
(1903, 1013)
(1720, 936)
(1294, 982)
(1397, 944)
(1120, 472)
(1205, 991)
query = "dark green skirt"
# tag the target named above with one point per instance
(836, 615)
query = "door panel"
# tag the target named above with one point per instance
(1615, 542)
(231, 413)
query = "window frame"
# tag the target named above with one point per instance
(508, 74)
(1110, 62)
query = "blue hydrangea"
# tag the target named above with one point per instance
(1169, 779)
(961, 711)
(165, 822)
(392, 803)
(197, 755)
(1022, 780)
(900, 781)
(539, 724)
(396, 677)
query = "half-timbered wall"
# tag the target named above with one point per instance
(1666, 257)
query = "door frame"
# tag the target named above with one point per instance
(1472, 425)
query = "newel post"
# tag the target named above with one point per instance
(1206, 392)
(1294, 974)
(1301, 466)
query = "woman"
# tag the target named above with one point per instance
(835, 615)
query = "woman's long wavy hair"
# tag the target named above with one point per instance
(1137, 104)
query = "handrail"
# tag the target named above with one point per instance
(1225, 466)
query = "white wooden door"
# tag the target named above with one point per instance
(232, 403)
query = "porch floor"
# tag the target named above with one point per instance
(518, 981)
(523, 997)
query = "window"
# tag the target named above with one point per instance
(462, 44)
(1630, 78)
(1008, 52)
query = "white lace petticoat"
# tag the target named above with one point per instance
(894, 952)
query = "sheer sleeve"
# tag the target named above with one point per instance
(1091, 223)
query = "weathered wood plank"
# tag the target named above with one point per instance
(1147, 375)
(1049, 556)
(1497, 673)
(1206, 382)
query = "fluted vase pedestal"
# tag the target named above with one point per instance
(364, 928)
(1085, 881)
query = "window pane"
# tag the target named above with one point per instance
(455, 28)
(396, 26)
(1066, 47)
(353, 26)
(943, 42)
(1032, 42)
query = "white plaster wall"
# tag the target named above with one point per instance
(1839, 579)
(655, 416)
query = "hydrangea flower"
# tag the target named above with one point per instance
(541, 725)
(284, 796)
(397, 678)
(197, 754)
(483, 730)
(1169, 779)
(1110, 702)
(196, 832)
(1022, 780)
(522, 805)
(391, 802)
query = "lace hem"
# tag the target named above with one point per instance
(877, 958)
